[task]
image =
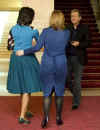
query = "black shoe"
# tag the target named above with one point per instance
(75, 106)
(44, 123)
(29, 115)
(23, 121)
(59, 121)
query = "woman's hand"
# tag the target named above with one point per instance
(20, 53)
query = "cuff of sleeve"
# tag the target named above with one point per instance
(26, 52)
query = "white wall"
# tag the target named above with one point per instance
(43, 9)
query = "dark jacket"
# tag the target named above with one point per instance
(83, 37)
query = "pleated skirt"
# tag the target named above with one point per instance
(24, 75)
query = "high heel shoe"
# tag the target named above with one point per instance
(59, 121)
(23, 121)
(44, 122)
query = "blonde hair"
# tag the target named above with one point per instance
(57, 20)
(76, 10)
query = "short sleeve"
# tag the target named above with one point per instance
(35, 34)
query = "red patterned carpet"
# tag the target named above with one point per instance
(91, 76)
(87, 117)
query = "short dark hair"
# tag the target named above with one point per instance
(26, 16)
(76, 10)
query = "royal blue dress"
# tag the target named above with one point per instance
(53, 69)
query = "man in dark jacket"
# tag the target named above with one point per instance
(77, 55)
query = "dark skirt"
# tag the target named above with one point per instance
(23, 75)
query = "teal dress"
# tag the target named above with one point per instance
(24, 71)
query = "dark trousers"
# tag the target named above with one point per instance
(75, 70)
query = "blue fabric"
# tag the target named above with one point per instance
(53, 74)
(53, 69)
(23, 75)
(23, 36)
(54, 42)
(24, 71)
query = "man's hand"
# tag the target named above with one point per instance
(75, 43)
(20, 53)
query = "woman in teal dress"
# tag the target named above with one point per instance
(23, 75)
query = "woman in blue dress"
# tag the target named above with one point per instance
(23, 75)
(53, 69)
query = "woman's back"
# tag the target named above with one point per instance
(55, 41)
(23, 36)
